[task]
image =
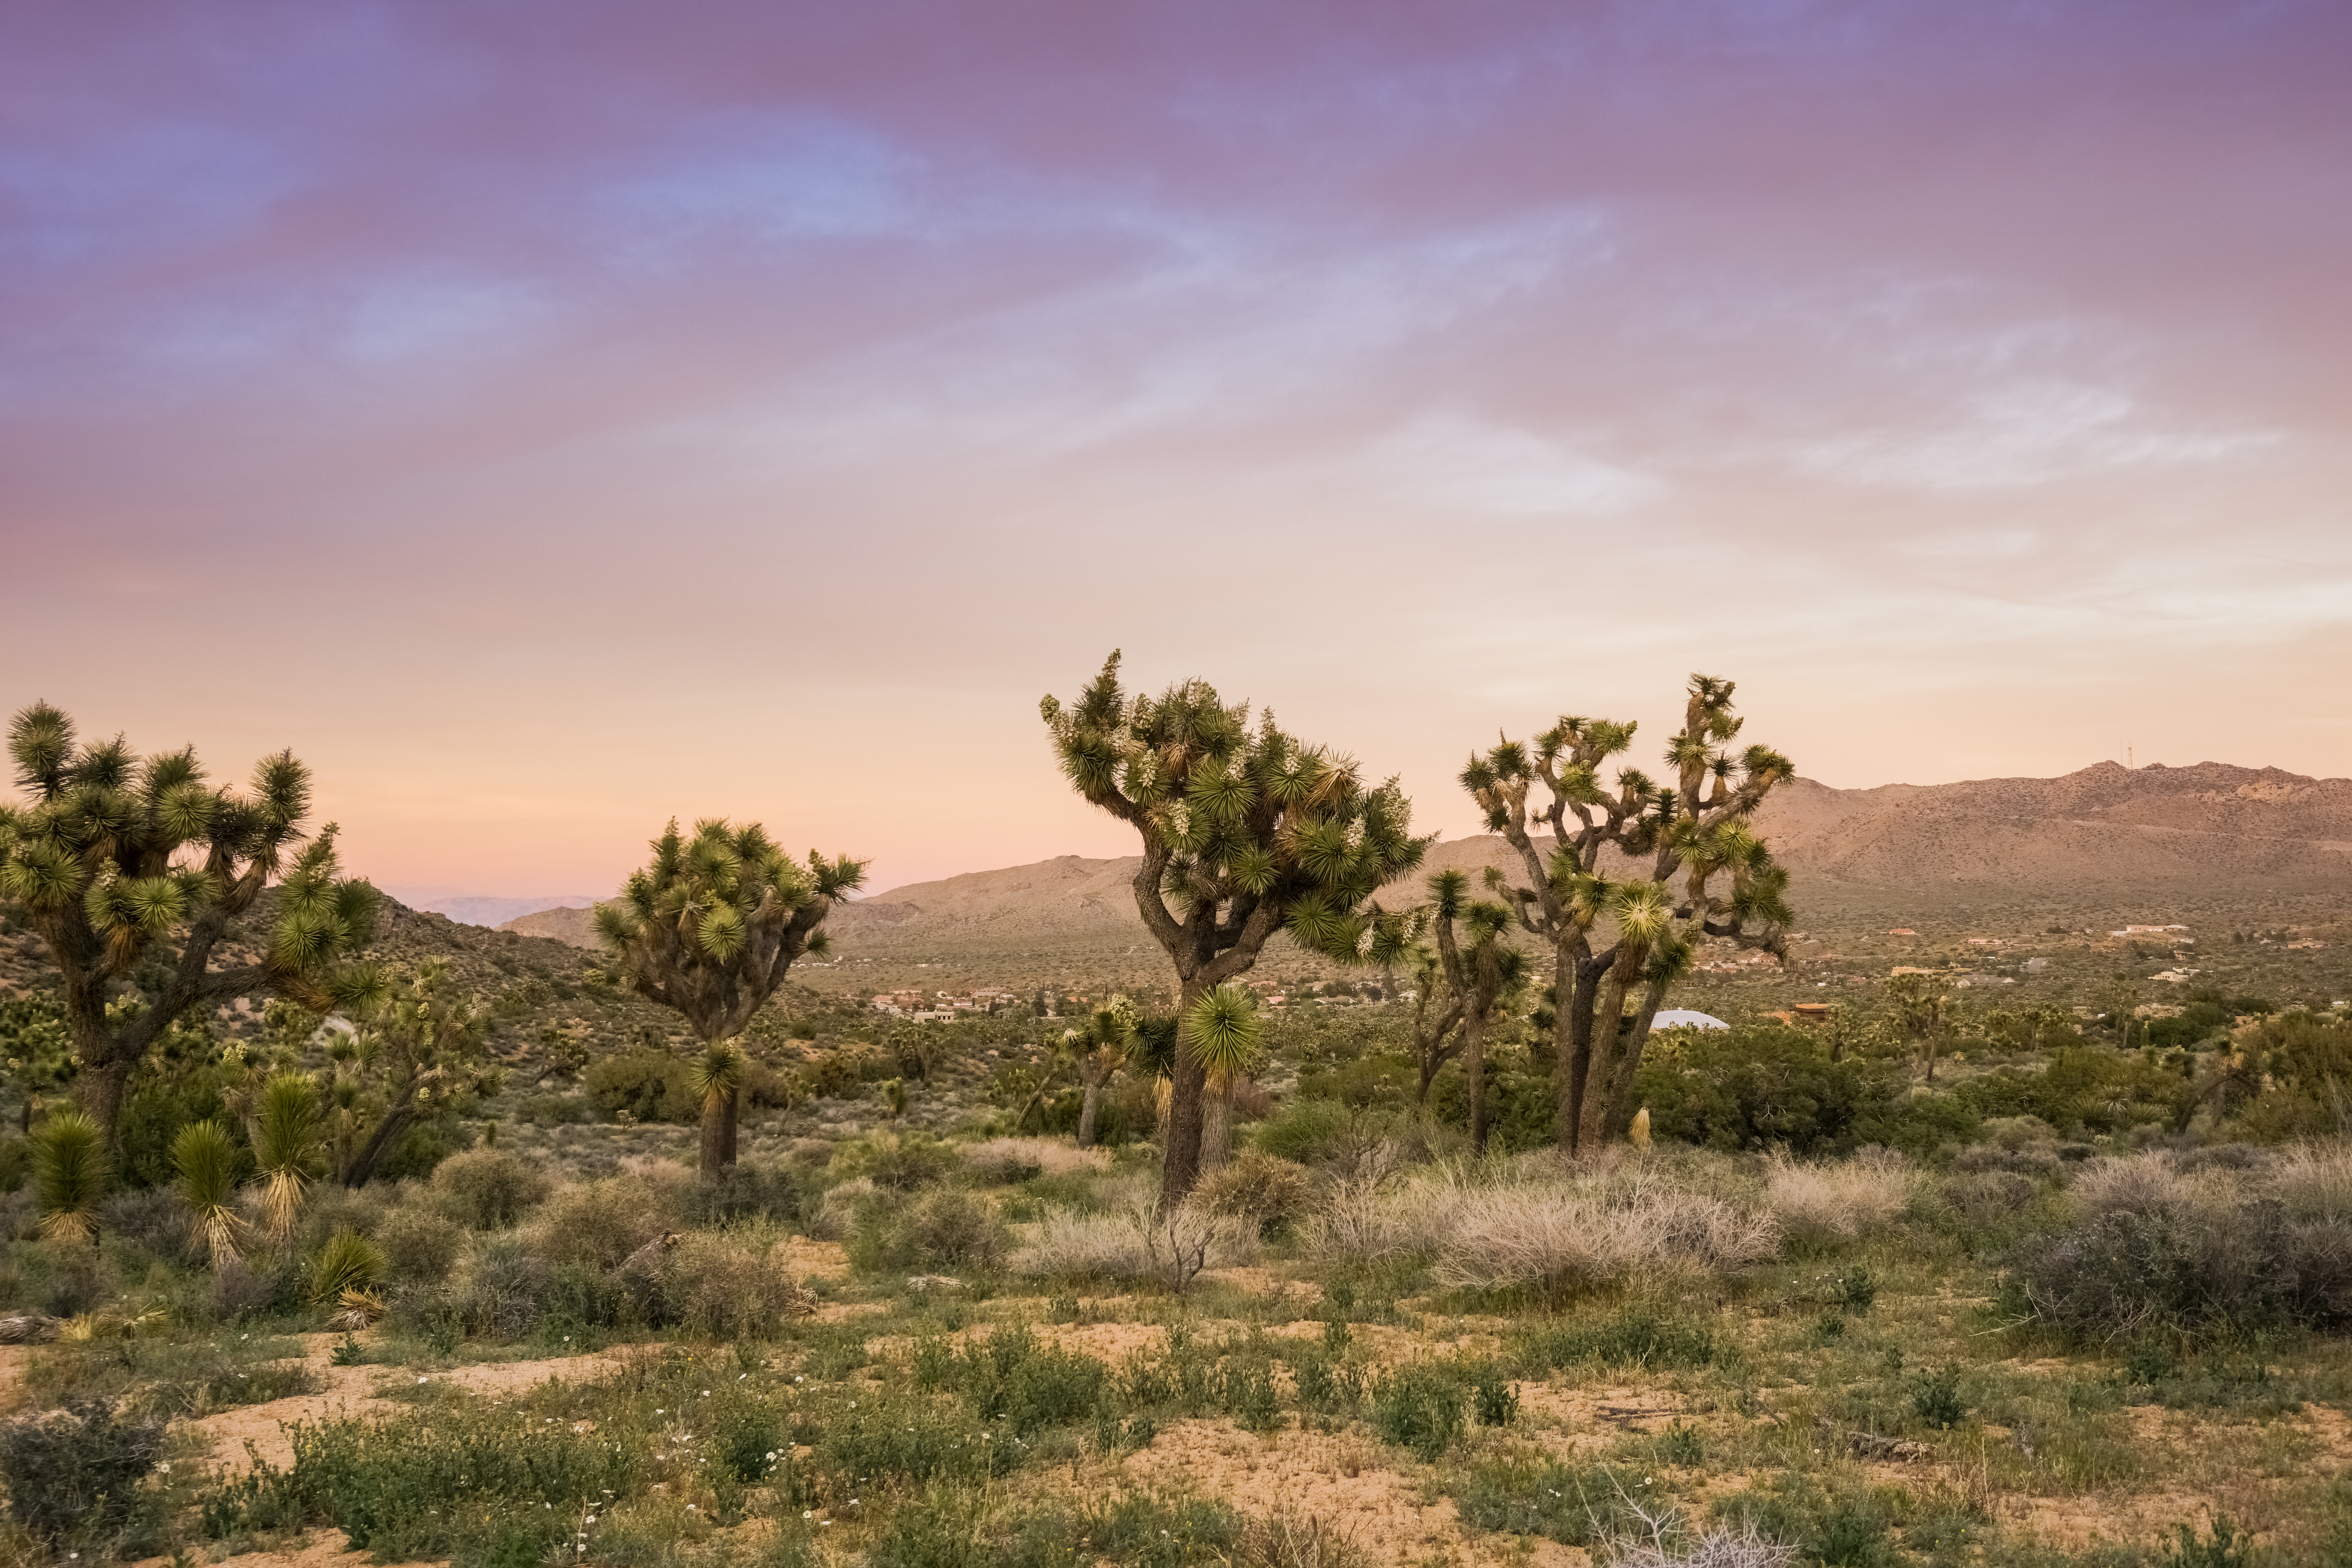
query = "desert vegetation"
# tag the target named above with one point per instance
(663, 1259)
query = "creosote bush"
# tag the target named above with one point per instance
(1267, 1191)
(73, 1474)
(488, 1189)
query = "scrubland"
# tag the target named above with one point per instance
(924, 1352)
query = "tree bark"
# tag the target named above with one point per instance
(1181, 1169)
(719, 1132)
(1216, 1127)
(1086, 1112)
(98, 1090)
(1608, 1019)
(396, 1120)
(1474, 1069)
(1573, 1048)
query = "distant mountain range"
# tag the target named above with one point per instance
(470, 910)
(2104, 827)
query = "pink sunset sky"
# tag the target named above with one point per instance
(547, 419)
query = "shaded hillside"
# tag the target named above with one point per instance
(2106, 827)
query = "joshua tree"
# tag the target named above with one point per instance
(1683, 836)
(116, 861)
(1245, 833)
(710, 928)
(1477, 977)
(1102, 1048)
(1923, 1004)
(420, 1044)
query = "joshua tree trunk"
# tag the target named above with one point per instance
(1474, 1070)
(1216, 1126)
(1187, 1088)
(718, 1113)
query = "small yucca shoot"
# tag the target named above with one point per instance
(348, 1265)
(69, 1174)
(206, 1157)
(286, 1135)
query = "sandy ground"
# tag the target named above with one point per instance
(352, 1390)
(1341, 1478)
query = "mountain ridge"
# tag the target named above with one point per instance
(2103, 825)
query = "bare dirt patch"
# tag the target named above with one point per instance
(353, 1391)
(323, 1549)
(1340, 1477)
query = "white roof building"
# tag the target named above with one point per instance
(1686, 1018)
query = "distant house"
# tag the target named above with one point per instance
(1686, 1018)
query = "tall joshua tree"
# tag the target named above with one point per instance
(1102, 1046)
(116, 861)
(418, 1049)
(1478, 974)
(1246, 831)
(1617, 934)
(710, 928)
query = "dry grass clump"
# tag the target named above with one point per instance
(1018, 1158)
(1840, 1201)
(1560, 1237)
(1722, 1547)
(836, 1214)
(1540, 1222)
(2314, 1182)
(1136, 1242)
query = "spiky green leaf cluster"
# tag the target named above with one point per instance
(111, 853)
(1242, 815)
(71, 1171)
(1223, 1027)
(711, 925)
(205, 1157)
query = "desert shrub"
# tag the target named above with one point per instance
(2314, 1182)
(151, 1219)
(1419, 1407)
(946, 1228)
(842, 1206)
(1135, 1241)
(2084, 1090)
(459, 1488)
(1761, 1086)
(159, 1380)
(603, 1221)
(902, 1162)
(1817, 1204)
(246, 1285)
(1019, 1159)
(1327, 1134)
(2304, 1062)
(2150, 1247)
(1983, 1200)
(729, 1286)
(744, 1191)
(73, 1474)
(552, 1109)
(496, 1290)
(1258, 1188)
(488, 1189)
(418, 1243)
(1560, 1238)
(581, 1296)
(1639, 1335)
(644, 1085)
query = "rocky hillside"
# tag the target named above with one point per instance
(2106, 827)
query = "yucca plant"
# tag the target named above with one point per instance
(112, 855)
(286, 1135)
(709, 927)
(1627, 940)
(205, 1155)
(348, 1264)
(70, 1170)
(1246, 831)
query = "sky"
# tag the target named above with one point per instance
(549, 419)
